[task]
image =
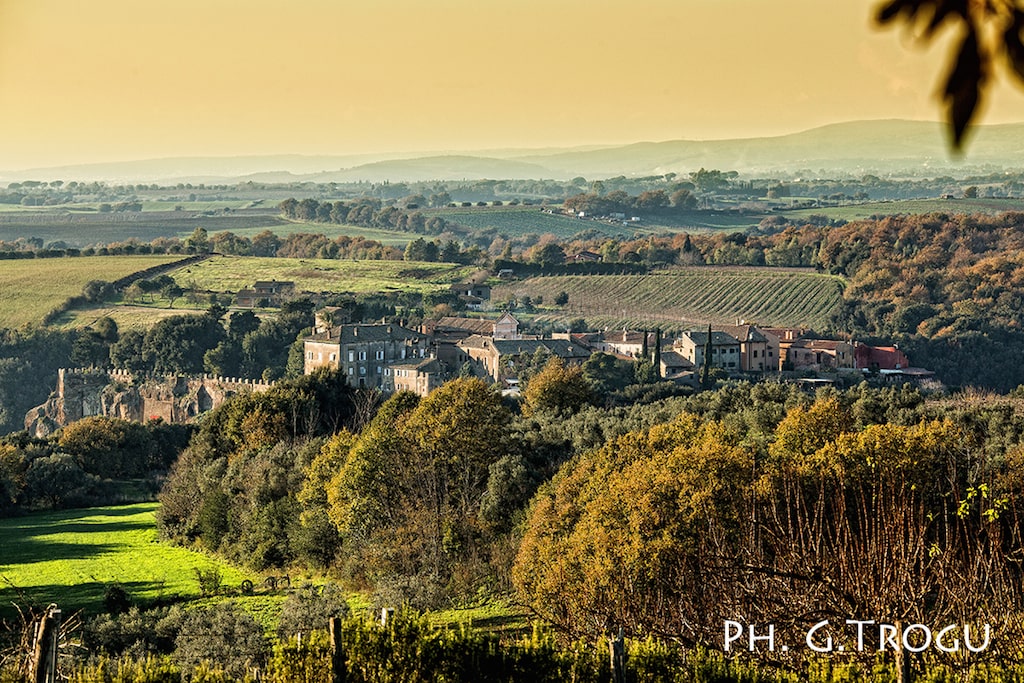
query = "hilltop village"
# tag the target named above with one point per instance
(391, 357)
(395, 358)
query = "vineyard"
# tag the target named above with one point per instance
(680, 299)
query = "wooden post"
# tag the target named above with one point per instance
(338, 673)
(617, 656)
(904, 674)
(44, 656)
(55, 615)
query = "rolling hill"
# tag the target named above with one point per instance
(859, 147)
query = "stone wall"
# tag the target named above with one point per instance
(84, 392)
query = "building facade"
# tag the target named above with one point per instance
(365, 354)
(725, 350)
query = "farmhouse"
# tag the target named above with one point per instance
(819, 354)
(879, 358)
(502, 358)
(758, 352)
(673, 366)
(725, 349)
(472, 295)
(453, 329)
(420, 378)
(625, 343)
(265, 293)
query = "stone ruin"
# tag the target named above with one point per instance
(84, 392)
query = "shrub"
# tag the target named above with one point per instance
(223, 635)
(310, 609)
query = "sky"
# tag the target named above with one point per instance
(115, 80)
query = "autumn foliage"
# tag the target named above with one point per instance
(671, 530)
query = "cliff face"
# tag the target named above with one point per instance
(116, 393)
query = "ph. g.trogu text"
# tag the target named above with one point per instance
(855, 635)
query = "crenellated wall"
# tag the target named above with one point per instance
(84, 392)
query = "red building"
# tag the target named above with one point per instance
(879, 358)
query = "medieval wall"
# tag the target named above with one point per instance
(84, 392)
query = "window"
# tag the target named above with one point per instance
(387, 372)
(379, 370)
(380, 355)
(362, 355)
(351, 370)
(733, 351)
(403, 352)
(423, 353)
(362, 369)
(334, 356)
(755, 353)
(351, 356)
(309, 355)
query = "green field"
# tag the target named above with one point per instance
(71, 557)
(83, 228)
(232, 273)
(127, 317)
(518, 220)
(682, 298)
(30, 288)
(852, 212)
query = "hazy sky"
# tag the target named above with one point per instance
(132, 79)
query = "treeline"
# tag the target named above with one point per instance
(367, 212)
(87, 463)
(618, 201)
(247, 346)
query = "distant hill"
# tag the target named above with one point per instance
(856, 147)
(882, 147)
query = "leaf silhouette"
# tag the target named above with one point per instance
(964, 85)
(1013, 45)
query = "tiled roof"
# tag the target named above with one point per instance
(351, 334)
(557, 347)
(475, 325)
(745, 333)
(427, 365)
(717, 338)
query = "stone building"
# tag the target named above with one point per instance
(365, 354)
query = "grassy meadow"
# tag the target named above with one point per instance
(852, 212)
(682, 298)
(83, 228)
(71, 557)
(127, 316)
(519, 220)
(30, 288)
(232, 273)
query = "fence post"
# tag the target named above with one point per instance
(338, 673)
(617, 653)
(44, 656)
(386, 613)
(904, 674)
